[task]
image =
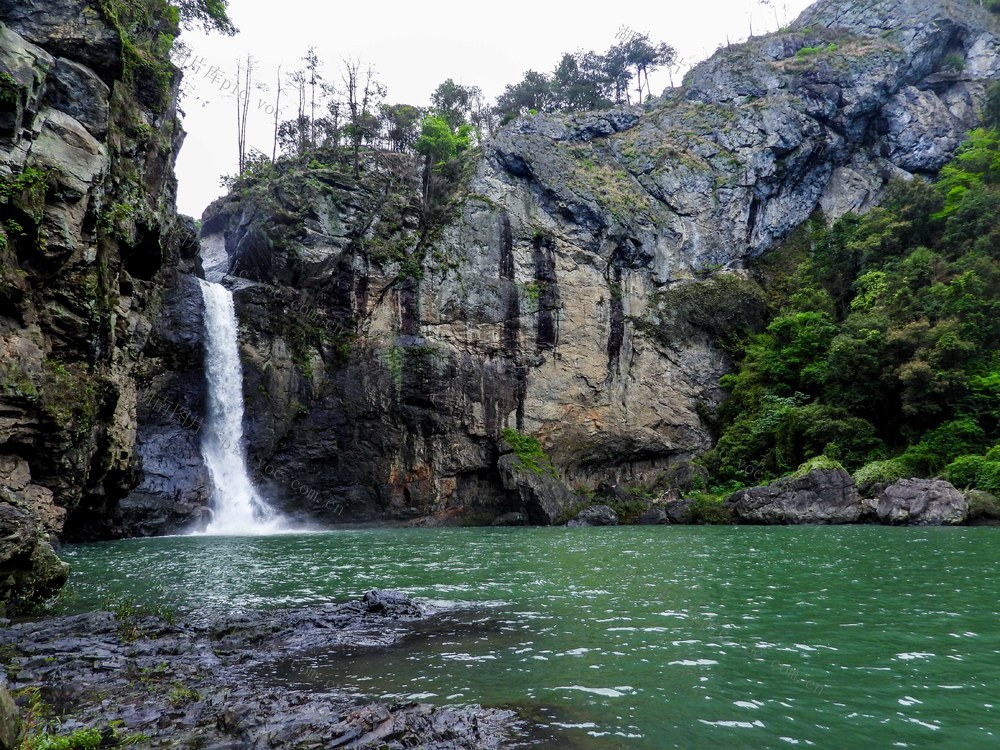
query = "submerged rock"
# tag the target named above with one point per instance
(595, 515)
(921, 502)
(823, 496)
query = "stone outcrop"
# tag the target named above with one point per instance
(386, 350)
(595, 515)
(823, 496)
(90, 245)
(216, 682)
(389, 342)
(921, 502)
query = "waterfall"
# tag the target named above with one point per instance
(238, 509)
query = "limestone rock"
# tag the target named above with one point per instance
(81, 281)
(595, 515)
(823, 496)
(543, 497)
(535, 307)
(921, 502)
(81, 94)
(68, 28)
(10, 721)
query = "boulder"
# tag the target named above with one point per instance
(823, 496)
(595, 515)
(511, 519)
(542, 495)
(921, 502)
(10, 721)
(680, 511)
(653, 517)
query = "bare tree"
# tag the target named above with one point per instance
(244, 85)
(277, 117)
(363, 93)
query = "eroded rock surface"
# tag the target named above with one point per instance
(384, 359)
(205, 682)
(823, 496)
(921, 502)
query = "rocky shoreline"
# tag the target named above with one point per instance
(197, 683)
(820, 496)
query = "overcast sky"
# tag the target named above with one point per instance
(415, 46)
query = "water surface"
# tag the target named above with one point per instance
(633, 637)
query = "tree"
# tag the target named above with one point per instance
(244, 83)
(210, 15)
(277, 116)
(455, 102)
(532, 93)
(401, 125)
(440, 145)
(363, 93)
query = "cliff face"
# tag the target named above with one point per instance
(89, 246)
(383, 361)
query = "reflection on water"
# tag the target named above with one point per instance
(633, 637)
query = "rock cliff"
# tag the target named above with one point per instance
(90, 246)
(582, 280)
(556, 323)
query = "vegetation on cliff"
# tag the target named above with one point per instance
(882, 347)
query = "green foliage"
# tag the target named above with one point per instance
(40, 730)
(954, 63)
(709, 510)
(819, 462)
(211, 15)
(880, 472)
(964, 471)
(25, 191)
(811, 51)
(181, 695)
(884, 337)
(146, 30)
(439, 143)
(530, 455)
(728, 308)
(69, 396)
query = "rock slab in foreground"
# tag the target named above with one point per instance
(206, 684)
(823, 496)
(921, 502)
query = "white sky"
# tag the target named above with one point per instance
(415, 46)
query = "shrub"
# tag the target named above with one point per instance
(964, 470)
(988, 479)
(942, 445)
(709, 510)
(880, 472)
(529, 453)
(819, 462)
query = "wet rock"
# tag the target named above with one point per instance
(511, 519)
(921, 502)
(208, 681)
(823, 496)
(595, 515)
(653, 516)
(680, 511)
(543, 495)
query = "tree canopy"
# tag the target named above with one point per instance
(211, 15)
